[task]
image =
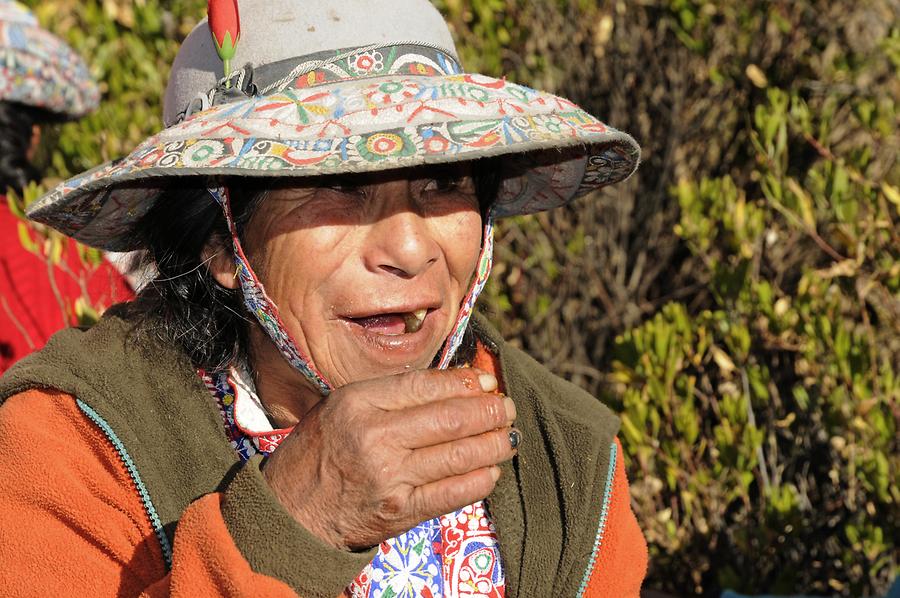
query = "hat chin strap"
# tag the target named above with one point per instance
(265, 311)
(482, 272)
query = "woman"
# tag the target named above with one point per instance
(42, 81)
(321, 220)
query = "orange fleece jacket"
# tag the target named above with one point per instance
(72, 523)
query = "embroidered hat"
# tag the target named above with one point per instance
(38, 69)
(341, 86)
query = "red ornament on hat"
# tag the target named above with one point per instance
(225, 26)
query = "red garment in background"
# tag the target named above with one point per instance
(29, 311)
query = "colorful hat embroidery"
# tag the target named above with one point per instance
(323, 90)
(358, 121)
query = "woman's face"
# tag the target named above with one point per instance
(367, 271)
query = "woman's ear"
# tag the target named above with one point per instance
(220, 263)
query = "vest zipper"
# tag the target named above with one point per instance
(135, 477)
(601, 526)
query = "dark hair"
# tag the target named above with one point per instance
(16, 129)
(184, 304)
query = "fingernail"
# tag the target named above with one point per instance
(515, 438)
(495, 473)
(510, 408)
(488, 382)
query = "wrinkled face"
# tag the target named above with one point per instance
(367, 271)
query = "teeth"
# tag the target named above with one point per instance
(413, 320)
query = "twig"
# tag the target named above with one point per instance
(751, 418)
(80, 280)
(55, 289)
(580, 368)
(873, 354)
(823, 245)
(17, 323)
(855, 175)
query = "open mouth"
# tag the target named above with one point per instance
(392, 324)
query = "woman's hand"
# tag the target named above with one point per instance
(377, 457)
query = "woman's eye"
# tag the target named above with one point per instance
(446, 184)
(353, 190)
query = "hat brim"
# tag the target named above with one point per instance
(555, 151)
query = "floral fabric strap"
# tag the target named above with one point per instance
(264, 309)
(482, 272)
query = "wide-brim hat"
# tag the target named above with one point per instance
(335, 87)
(38, 69)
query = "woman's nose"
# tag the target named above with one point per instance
(400, 242)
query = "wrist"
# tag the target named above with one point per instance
(300, 503)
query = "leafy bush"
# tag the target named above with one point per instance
(738, 299)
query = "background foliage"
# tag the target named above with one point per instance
(738, 299)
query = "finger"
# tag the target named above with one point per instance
(426, 386)
(435, 463)
(447, 495)
(452, 419)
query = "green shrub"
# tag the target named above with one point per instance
(738, 299)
